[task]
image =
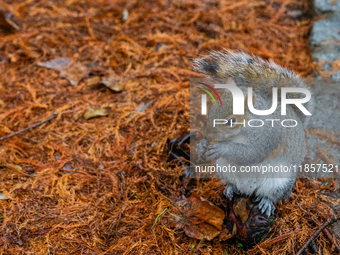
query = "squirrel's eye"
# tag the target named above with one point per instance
(231, 122)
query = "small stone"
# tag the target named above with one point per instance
(67, 166)
(20, 243)
(125, 15)
(325, 32)
(326, 6)
(326, 53)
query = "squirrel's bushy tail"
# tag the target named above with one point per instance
(251, 71)
(242, 67)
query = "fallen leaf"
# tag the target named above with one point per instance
(200, 219)
(71, 70)
(91, 113)
(74, 72)
(241, 208)
(93, 81)
(175, 221)
(245, 221)
(55, 64)
(112, 84)
(225, 235)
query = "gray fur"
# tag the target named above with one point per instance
(252, 71)
(249, 146)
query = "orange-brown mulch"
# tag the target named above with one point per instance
(96, 186)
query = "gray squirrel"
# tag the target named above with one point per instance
(244, 145)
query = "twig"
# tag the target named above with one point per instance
(30, 127)
(276, 239)
(235, 5)
(271, 242)
(327, 234)
(328, 222)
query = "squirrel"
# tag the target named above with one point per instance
(240, 145)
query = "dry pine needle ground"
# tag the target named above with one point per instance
(95, 186)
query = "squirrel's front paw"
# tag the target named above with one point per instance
(216, 151)
(230, 190)
(266, 206)
(201, 148)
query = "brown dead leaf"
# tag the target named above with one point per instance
(200, 218)
(93, 81)
(112, 84)
(225, 234)
(91, 113)
(175, 221)
(71, 70)
(241, 208)
(74, 72)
